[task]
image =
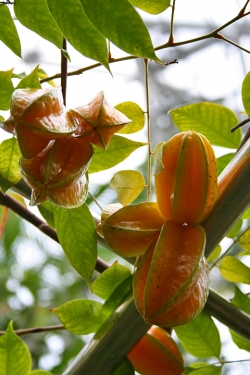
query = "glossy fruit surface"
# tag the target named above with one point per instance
(130, 230)
(186, 188)
(98, 121)
(157, 353)
(171, 280)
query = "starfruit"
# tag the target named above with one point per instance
(58, 172)
(130, 230)
(98, 121)
(186, 187)
(38, 116)
(157, 353)
(171, 281)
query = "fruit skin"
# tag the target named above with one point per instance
(130, 230)
(157, 354)
(171, 281)
(186, 188)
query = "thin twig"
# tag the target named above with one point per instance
(212, 34)
(171, 34)
(148, 128)
(242, 123)
(64, 71)
(27, 331)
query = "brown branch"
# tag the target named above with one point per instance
(19, 209)
(27, 331)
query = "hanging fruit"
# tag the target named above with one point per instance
(186, 187)
(171, 280)
(157, 353)
(97, 121)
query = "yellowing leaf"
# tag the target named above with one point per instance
(158, 166)
(235, 229)
(151, 6)
(234, 270)
(128, 184)
(9, 163)
(215, 253)
(245, 240)
(134, 113)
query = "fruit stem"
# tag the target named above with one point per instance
(64, 71)
(148, 128)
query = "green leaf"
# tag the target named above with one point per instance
(223, 161)
(47, 211)
(125, 368)
(134, 112)
(200, 337)
(245, 93)
(30, 81)
(81, 316)
(6, 89)
(117, 297)
(241, 300)
(9, 35)
(128, 185)
(234, 270)
(119, 149)
(122, 25)
(215, 253)
(77, 235)
(14, 354)
(40, 372)
(9, 163)
(36, 16)
(158, 166)
(245, 240)
(235, 229)
(207, 119)
(200, 368)
(151, 6)
(246, 214)
(240, 341)
(42, 74)
(108, 280)
(78, 30)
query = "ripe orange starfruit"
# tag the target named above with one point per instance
(58, 172)
(98, 121)
(157, 353)
(130, 230)
(171, 280)
(37, 117)
(186, 187)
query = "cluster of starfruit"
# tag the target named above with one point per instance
(171, 280)
(56, 143)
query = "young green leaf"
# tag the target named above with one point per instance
(240, 341)
(158, 166)
(42, 74)
(36, 16)
(78, 30)
(207, 119)
(77, 235)
(119, 149)
(246, 214)
(235, 229)
(30, 81)
(245, 93)
(241, 300)
(128, 185)
(151, 6)
(200, 368)
(40, 372)
(234, 270)
(108, 280)
(125, 368)
(200, 337)
(223, 161)
(80, 316)
(9, 35)
(134, 112)
(47, 211)
(6, 88)
(245, 240)
(122, 25)
(215, 253)
(9, 163)
(14, 355)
